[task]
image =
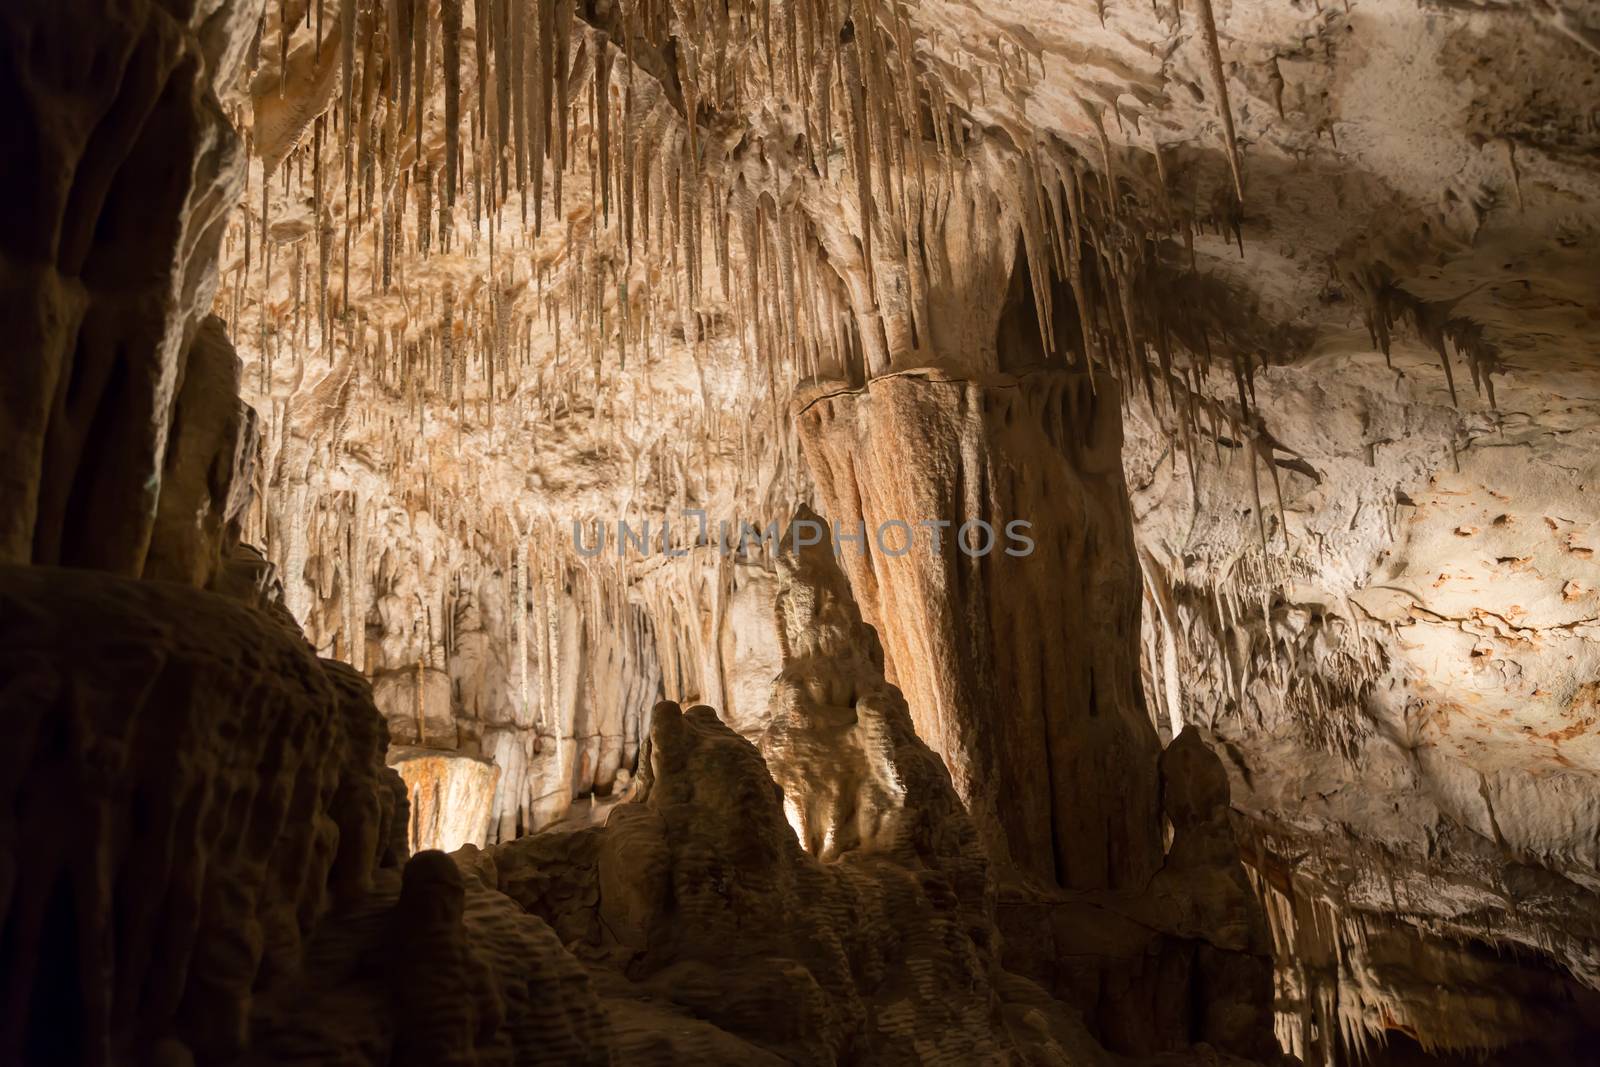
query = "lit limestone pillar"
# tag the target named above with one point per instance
(1021, 669)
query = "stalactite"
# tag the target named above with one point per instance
(1219, 82)
(400, 49)
(553, 586)
(420, 25)
(602, 91)
(700, 239)
(518, 43)
(562, 70)
(861, 161)
(451, 17)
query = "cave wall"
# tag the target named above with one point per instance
(1402, 663)
(111, 232)
(189, 790)
(1399, 680)
(478, 644)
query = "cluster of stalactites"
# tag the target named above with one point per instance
(1437, 324)
(1332, 1009)
(679, 228)
(686, 230)
(1226, 619)
(684, 227)
(492, 204)
(1142, 314)
(343, 545)
(700, 136)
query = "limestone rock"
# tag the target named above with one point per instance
(188, 790)
(206, 476)
(713, 934)
(111, 229)
(433, 968)
(417, 704)
(1020, 666)
(450, 797)
(499, 268)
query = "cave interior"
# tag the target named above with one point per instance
(799, 532)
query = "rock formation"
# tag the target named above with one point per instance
(416, 404)
(980, 614)
(189, 790)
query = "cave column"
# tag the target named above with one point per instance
(1021, 667)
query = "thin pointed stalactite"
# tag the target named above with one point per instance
(679, 233)
(1219, 84)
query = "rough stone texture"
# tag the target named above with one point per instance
(433, 968)
(206, 476)
(416, 704)
(712, 869)
(244, 876)
(187, 790)
(725, 940)
(1398, 675)
(1209, 201)
(1021, 669)
(108, 241)
(1336, 254)
(840, 743)
(1185, 959)
(205, 851)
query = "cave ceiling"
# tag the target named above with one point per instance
(501, 274)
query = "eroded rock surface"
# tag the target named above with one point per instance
(126, 172)
(1378, 611)
(494, 267)
(837, 845)
(188, 791)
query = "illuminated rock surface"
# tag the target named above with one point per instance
(340, 330)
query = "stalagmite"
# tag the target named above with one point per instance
(879, 260)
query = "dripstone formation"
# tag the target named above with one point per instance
(410, 652)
